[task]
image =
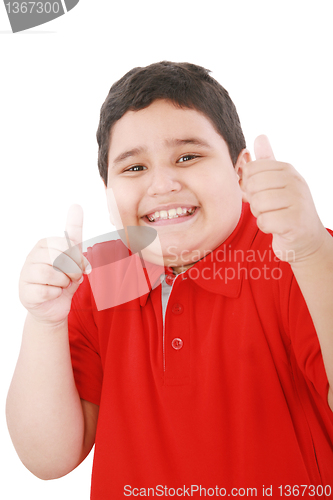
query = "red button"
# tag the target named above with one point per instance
(177, 344)
(169, 279)
(177, 309)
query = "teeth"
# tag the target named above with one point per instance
(171, 214)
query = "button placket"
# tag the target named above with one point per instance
(169, 280)
(176, 335)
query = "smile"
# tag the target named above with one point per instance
(173, 213)
(171, 216)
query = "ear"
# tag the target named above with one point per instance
(244, 157)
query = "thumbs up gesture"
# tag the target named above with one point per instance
(53, 271)
(281, 201)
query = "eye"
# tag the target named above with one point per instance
(185, 158)
(135, 168)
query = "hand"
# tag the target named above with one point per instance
(281, 201)
(46, 291)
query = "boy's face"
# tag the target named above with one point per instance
(166, 161)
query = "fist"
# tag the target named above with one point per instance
(281, 201)
(53, 271)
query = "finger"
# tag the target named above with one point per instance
(65, 264)
(69, 261)
(44, 274)
(266, 180)
(73, 233)
(270, 201)
(74, 225)
(263, 149)
(48, 250)
(36, 294)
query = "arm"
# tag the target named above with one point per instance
(281, 200)
(52, 430)
(315, 278)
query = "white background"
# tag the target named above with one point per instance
(274, 58)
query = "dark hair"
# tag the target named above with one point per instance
(186, 85)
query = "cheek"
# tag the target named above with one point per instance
(223, 210)
(223, 195)
(121, 204)
(113, 207)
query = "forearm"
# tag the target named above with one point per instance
(44, 412)
(315, 279)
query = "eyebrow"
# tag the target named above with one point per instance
(127, 154)
(192, 140)
(169, 143)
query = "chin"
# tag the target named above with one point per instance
(182, 259)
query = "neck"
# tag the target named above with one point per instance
(181, 269)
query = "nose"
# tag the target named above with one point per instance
(163, 180)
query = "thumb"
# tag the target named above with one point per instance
(263, 149)
(73, 232)
(74, 225)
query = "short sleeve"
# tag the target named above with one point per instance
(84, 345)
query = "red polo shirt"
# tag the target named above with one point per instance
(229, 394)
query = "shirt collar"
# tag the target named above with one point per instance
(220, 270)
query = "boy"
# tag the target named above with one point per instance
(217, 381)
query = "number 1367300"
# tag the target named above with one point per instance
(33, 7)
(305, 490)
